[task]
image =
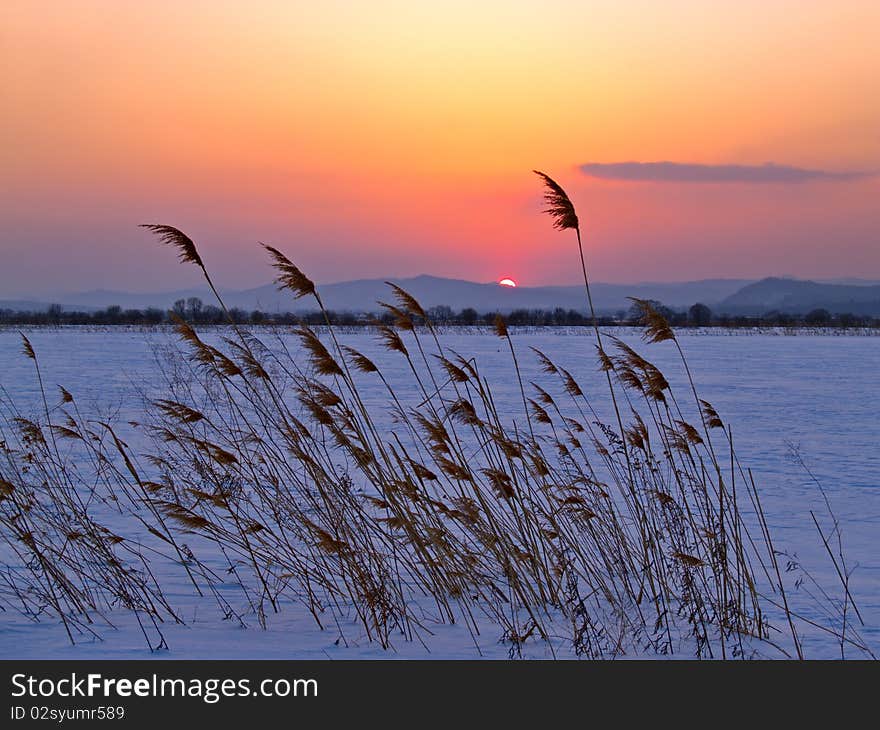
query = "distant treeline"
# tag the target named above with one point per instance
(195, 311)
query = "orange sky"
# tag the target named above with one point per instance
(393, 138)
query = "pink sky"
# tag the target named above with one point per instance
(394, 138)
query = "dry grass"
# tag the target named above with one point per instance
(627, 538)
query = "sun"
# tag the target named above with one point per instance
(507, 282)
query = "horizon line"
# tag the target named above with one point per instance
(648, 282)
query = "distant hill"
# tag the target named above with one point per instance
(431, 291)
(27, 305)
(723, 296)
(362, 295)
(794, 296)
(853, 280)
(101, 298)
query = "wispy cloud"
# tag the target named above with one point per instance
(679, 172)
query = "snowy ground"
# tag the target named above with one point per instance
(813, 391)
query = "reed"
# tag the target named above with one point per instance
(547, 524)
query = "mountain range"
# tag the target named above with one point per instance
(723, 296)
(799, 297)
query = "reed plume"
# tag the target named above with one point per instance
(26, 347)
(559, 205)
(289, 275)
(171, 236)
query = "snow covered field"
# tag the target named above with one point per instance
(812, 392)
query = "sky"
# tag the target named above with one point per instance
(392, 138)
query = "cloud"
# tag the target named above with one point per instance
(679, 172)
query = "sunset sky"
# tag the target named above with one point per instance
(392, 138)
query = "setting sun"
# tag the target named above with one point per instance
(507, 282)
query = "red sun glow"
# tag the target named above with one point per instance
(507, 282)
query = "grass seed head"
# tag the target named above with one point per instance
(289, 275)
(171, 236)
(559, 205)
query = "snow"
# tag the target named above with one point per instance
(813, 392)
